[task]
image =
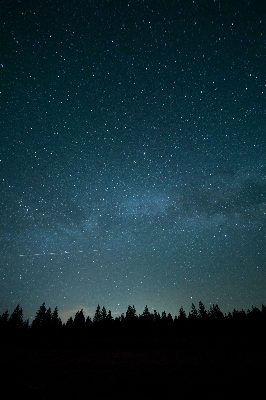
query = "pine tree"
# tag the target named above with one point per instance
(182, 314)
(163, 316)
(79, 319)
(40, 317)
(43, 319)
(56, 321)
(169, 317)
(193, 315)
(131, 313)
(146, 315)
(69, 323)
(202, 313)
(109, 316)
(98, 315)
(104, 313)
(16, 318)
(215, 313)
(156, 316)
(48, 315)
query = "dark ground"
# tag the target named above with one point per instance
(134, 370)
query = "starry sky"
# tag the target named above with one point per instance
(132, 154)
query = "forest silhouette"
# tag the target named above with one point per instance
(133, 355)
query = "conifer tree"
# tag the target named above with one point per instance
(215, 313)
(40, 317)
(104, 313)
(98, 315)
(79, 319)
(156, 316)
(169, 317)
(43, 319)
(16, 318)
(163, 315)
(69, 322)
(193, 314)
(131, 313)
(146, 315)
(109, 316)
(48, 315)
(56, 321)
(182, 314)
(202, 313)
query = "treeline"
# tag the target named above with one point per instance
(47, 324)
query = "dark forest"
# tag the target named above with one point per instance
(133, 356)
(162, 327)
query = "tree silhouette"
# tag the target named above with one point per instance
(164, 316)
(48, 316)
(16, 326)
(43, 323)
(193, 314)
(56, 321)
(131, 314)
(41, 317)
(254, 314)
(98, 314)
(16, 318)
(146, 316)
(202, 313)
(47, 323)
(169, 317)
(121, 318)
(109, 316)
(182, 315)
(156, 317)
(79, 319)
(215, 313)
(104, 313)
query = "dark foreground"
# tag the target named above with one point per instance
(135, 370)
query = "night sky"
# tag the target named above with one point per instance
(133, 155)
